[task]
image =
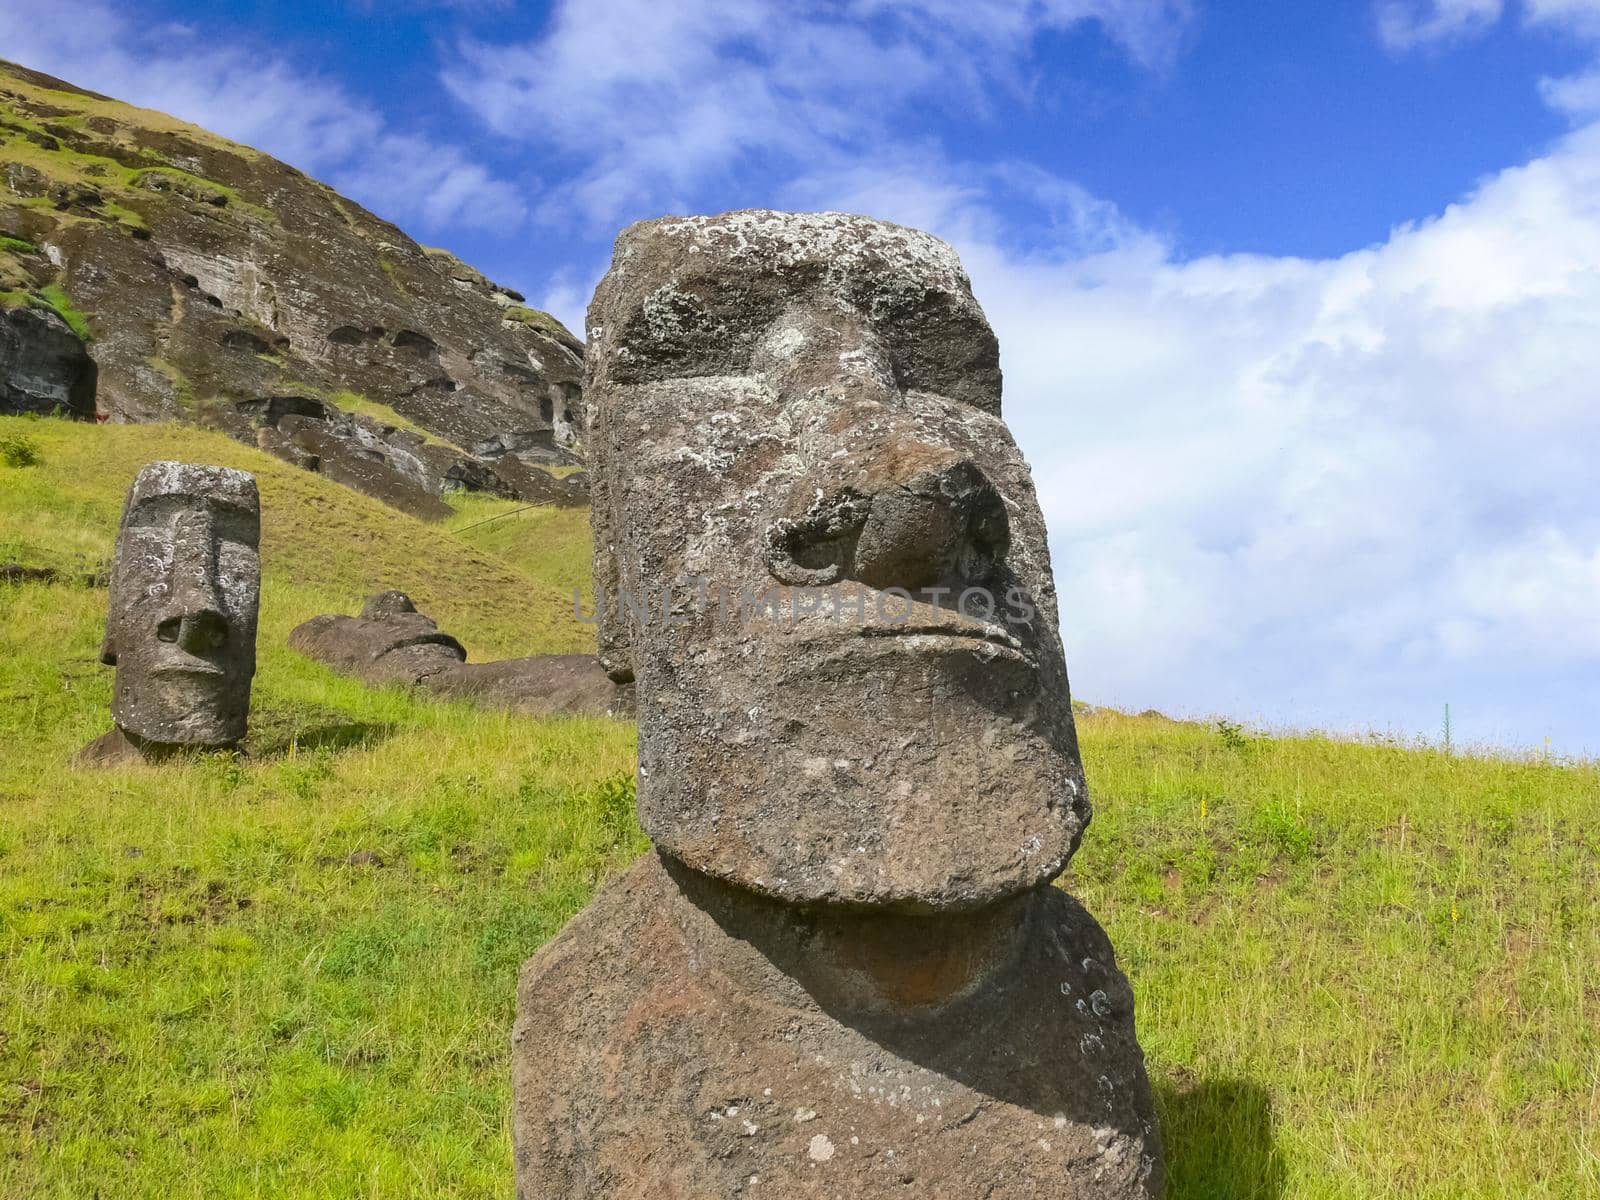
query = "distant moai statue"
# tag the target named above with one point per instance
(844, 970)
(181, 631)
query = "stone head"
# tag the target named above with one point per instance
(185, 588)
(820, 554)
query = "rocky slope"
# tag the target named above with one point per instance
(210, 283)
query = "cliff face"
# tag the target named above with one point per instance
(213, 284)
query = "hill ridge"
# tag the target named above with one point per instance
(215, 285)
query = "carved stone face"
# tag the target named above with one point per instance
(789, 401)
(185, 588)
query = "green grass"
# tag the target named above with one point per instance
(18, 450)
(1363, 970)
(324, 547)
(533, 318)
(360, 405)
(56, 297)
(113, 179)
(52, 296)
(183, 183)
(75, 109)
(201, 994)
(21, 245)
(387, 266)
(551, 544)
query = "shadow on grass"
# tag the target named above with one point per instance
(1219, 1141)
(272, 735)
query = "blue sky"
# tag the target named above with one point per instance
(1299, 303)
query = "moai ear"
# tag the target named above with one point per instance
(614, 642)
(108, 645)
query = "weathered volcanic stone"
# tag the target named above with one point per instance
(185, 586)
(845, 971)
(819, 397)
(391, 642)
(680, 1040)
(218, 281)
(541, 685)
(44, 367)
(344, 452)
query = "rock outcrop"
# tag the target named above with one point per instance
(44, 366)
(391, 642)
(181, 630)
(845, 971)
(217, 285)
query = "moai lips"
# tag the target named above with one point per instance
(784, 402)
(185, 589)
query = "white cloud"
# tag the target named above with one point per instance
(1342, 491)
(1406, 24)
(261, 101)
(656, 100)
(1338, 492)
(1578, 16)
(1578, 96)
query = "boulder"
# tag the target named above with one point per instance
(339, 452)
(213, 275)
(541, 685)
(398, 466)
(44, 366)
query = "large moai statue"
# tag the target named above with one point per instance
(181, 631)
(844, 972)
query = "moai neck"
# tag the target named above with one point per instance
(847, 960)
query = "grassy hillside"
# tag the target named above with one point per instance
(550, 544)
(1363, 970)
(323, 547)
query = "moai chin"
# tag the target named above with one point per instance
(181, 630)
(824, 565)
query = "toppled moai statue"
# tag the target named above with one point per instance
(391, 642)
(181, 631)
(845, 971)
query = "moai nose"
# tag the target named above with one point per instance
(194, 618)
(946, 524)
(913, 517)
